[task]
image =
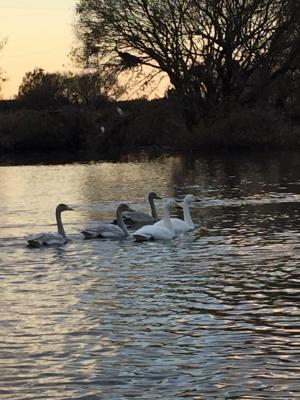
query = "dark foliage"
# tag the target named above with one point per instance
(159, 124)
(40, 89)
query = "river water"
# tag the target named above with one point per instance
(212, 314)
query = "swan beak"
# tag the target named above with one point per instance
(70, 208)
(158, 198)
(178, 206)
(197, 200)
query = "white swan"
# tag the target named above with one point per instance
(188, 224)
(59, 238)
(120, 112)
(158, 232)
(139, 218)
(105, 230)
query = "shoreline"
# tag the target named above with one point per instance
(145, 154)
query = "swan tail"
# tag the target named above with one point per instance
(34, 243)
(89, 234)
(141, 237)
(129, 222)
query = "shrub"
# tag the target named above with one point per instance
(248, 128)
(34, 131)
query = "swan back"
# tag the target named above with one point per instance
(139, 218)
(105, 230)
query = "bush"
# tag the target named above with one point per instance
(40, 89)
(156, 123)
(248, 128)
(34, 131)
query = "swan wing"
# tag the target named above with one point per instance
(138, 218)
(179, 225)
(149, 232)
(103, 231)
(143, 233)
(43, 239)
(160, 223)
(161, 232)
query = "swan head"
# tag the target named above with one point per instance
(153, 196)
(190, 198)
(124, 207)
(63, 207)
(169, 203)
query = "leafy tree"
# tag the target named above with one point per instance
(221, 50)
(39, 89)
(82, 89)
(88, 88)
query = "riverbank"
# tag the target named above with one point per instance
(163, 125)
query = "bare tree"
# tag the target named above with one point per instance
(221, 50)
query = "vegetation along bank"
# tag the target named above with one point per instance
(232, 70)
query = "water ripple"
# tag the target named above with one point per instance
(213, 314)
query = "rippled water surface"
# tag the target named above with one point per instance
(212, 314)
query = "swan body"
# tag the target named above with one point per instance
(157, 232)
(179, 225)
(139, 218)
(120, 112)
(150, 232)
(111, 231)
(48, 239)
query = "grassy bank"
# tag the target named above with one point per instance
(162, 124)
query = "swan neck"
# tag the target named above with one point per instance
(167, 219)
(59, 223)
(121, 223)
(153, 208)
(187, 215)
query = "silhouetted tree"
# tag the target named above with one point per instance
(222, 50)
(88, 88)
(82, 88)
(40, 89)
(2, 74)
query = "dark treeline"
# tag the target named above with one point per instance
(233, 68)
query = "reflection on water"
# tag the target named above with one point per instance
(213, 314)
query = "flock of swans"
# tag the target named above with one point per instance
(148, 227)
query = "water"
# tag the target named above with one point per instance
(212, 314)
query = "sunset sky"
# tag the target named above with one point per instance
(39, 34)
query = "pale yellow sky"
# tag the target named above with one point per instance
(39, 34)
